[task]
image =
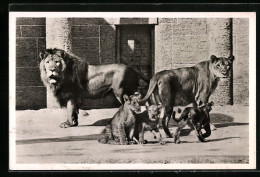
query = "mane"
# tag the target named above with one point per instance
(75, 75)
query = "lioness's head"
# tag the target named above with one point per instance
(132, 102)
(52, 66)
(154, 111)
(221, 66)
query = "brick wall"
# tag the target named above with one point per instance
(184, 42)
(241, 62)
(30, 39)
(93, 39)
(180, 42)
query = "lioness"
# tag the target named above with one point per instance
(71, 78)
(196, 118)
(183, 86)
(148, 120)
(122, 125)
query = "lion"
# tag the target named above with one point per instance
(120, 130)
(148, 120)
(196, 118)
(71, 78)
(188, 85)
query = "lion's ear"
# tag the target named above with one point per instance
(63, 54)
(213, 58)
(126, 98)
(41, 55)
(231, 58)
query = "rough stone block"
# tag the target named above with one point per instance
(131, 21)
(107, 44)
(189, 49)
(30, 97)
(41, 45)
(30, 21)
(26, 52)
(92, 21)
(86, 48)
(33, 31)
(191, 26)
(18, 31)
(85, 31)
(28, 77)
(167, 20)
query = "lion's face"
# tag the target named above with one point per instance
(154, 112)
(132, 103)
(221, 66)
(52, 67)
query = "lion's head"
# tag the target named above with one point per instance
(221, 66)
(154, 111)
(53, 67)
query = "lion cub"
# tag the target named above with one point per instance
(121, 128)
(196, 118)
(148, 120)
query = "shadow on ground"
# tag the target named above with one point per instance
(61, 139)
(225, 120)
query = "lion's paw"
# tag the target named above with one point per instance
(212, 127)
(162, 142)
(65, 125)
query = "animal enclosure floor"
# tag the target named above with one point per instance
(40, 140)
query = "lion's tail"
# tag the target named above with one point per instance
(152, 85)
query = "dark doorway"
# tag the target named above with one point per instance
(135, 47)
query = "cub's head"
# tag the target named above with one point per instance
(221, 66)
(52, 66)
(207, 107)
(154, 111)
(132, 102)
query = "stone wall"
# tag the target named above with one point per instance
(177, 43)
(241, 62)
(184, 42)
(30, 40)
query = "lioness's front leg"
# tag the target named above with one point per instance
(72, 115)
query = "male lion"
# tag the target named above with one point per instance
(189, 85)
(121, 128)
(71, 78)
(196, 118)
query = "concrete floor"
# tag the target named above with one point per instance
(40, 140)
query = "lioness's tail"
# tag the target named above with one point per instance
(152, 85)
(108, 135)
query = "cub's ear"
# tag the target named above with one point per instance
(63, 54)
(147, 104)
(231, 58)
(211, 103)
(138, 95)
(213, 58)
(160, 106)
(126, 98)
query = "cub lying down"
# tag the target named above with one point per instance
(196, 118)
(127, 126)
